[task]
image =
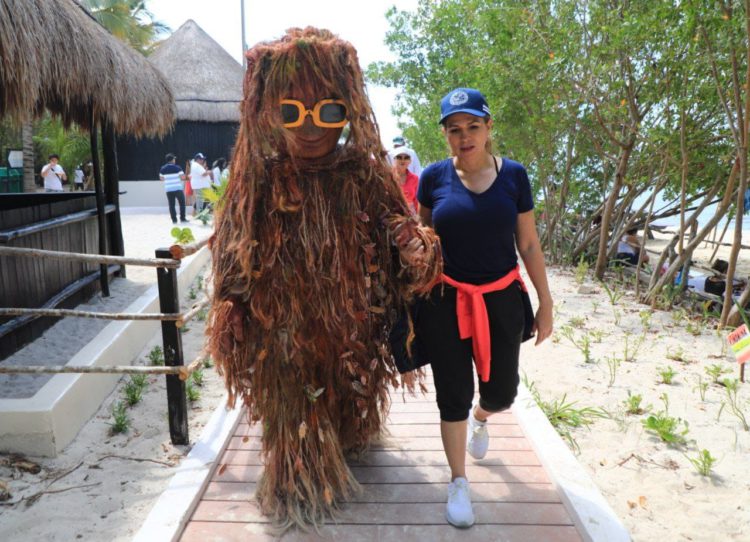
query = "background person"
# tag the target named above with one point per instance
(53, 174)
(629, 248)
(200, 178)
(78, 177)
(172, 175)
(218, 167)
(415, 167)
(401, 159)
(482, 210)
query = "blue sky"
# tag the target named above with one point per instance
(361, 23)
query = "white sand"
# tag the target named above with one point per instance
(651, 486)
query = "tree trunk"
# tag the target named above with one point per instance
(27, 139)
(622, 167)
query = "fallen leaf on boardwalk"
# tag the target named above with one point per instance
(302, 431)
(222, 469)
(632, 504)
(245, 439)
(642, 501)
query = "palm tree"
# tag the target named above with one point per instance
(129, 21)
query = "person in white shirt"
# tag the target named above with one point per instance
(219, 165)
(200, 178)
(78, 177)
(53, 174)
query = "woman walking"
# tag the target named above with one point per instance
(482, 209)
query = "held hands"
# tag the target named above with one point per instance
(543, 322)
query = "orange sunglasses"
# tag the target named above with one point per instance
(328, 113)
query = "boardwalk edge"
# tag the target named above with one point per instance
(171, 512)
(594, 518)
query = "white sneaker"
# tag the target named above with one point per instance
(478, 441)
(459, 512)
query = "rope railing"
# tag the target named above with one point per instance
(179, 252)
(90, 258)
(183, 371)
(181, 317)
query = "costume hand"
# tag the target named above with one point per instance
(543, 323)
(235, 318)
(413, 254)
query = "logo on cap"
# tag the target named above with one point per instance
(459, 97)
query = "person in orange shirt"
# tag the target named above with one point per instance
(401, 160)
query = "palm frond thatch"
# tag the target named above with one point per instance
(205, 79)
(55, 56)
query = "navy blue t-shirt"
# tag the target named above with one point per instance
(477, 231)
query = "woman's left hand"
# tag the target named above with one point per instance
(543, 323)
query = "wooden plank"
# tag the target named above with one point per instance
(399, 458)
(412, 430)
(486, 513)
(401, 418)
(200, 531)
(398, 443)
(400, 493)
(406, 474)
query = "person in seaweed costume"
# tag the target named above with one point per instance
(314, 255)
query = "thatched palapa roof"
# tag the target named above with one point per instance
(206, 80)
(55, 56)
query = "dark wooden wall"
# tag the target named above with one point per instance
(31, 282)
(141, 159)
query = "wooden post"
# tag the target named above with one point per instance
(176, 400)
(101, 217)
(112, 192)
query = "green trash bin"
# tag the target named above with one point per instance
(4, 180)
(15, 177)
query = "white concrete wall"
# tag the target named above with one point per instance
(143, 194)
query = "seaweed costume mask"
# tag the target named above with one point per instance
(311, 262)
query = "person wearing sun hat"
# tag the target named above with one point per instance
(481, 207)
(401, 158)
(415, 165)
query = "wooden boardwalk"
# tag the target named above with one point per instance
(405, 482)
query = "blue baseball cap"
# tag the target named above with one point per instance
(463, 100)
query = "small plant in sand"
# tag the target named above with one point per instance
(193, 393)
(139, 380)
(192, 293)
(156, 356)
(633, 404)
(676, 354)
(715, 371)
(208, 362)
(120, 420)
(594, 306)
(199, 282)
(666, 374)
(577, 322)
(667, 428)
(613, 363)
(614, 294)
(184, 329)
(703, 462)
(645, 316)
(133, 393)
(701, 387)
(731, 385)
(678, 316)
(564, 416)
(596, 335)
(583, 344)
(582, 270)
(182, 236)
(694, 327)
(631, 346)
(197, 377)
(201, 315)
(667, 297)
